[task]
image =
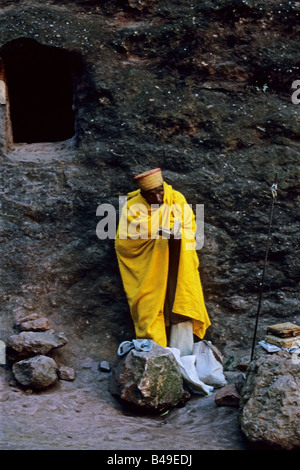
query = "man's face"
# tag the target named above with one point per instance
(154, 196)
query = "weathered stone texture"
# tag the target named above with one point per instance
(270, 401)
(30, 343)
(40, 324)
(37, 372)
(149, 380)
(202, 90)
(228, 396)
(66, 373)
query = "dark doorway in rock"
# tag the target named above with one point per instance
(40, 81)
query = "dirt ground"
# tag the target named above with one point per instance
(83, 415)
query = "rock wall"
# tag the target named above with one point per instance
(201, 89)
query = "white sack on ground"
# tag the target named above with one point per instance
(189, 373)
(208, 368)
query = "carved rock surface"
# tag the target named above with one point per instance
(150, 380)
(200, 89)
(38, 372)
(270, 401)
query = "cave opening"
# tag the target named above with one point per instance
(41, 86)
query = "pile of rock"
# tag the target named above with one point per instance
(283, 335)
(27, 352)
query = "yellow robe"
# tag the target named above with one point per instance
(143, 260)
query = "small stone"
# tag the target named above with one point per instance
(38, 372)
(66, 373)
(104, 366)
(39, 324)
(227, 396)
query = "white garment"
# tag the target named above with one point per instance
(182, 338)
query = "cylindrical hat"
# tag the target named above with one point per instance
(149, 179)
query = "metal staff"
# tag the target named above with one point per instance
(274, 195)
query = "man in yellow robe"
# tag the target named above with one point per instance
(160, 271)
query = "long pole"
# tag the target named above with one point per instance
(274, 195)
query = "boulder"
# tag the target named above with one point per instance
(30, 343)
(150, 380)
(37, 372)
(270, 401)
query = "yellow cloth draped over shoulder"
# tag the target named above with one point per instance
(143, 259)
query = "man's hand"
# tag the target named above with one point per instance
(174, 233)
